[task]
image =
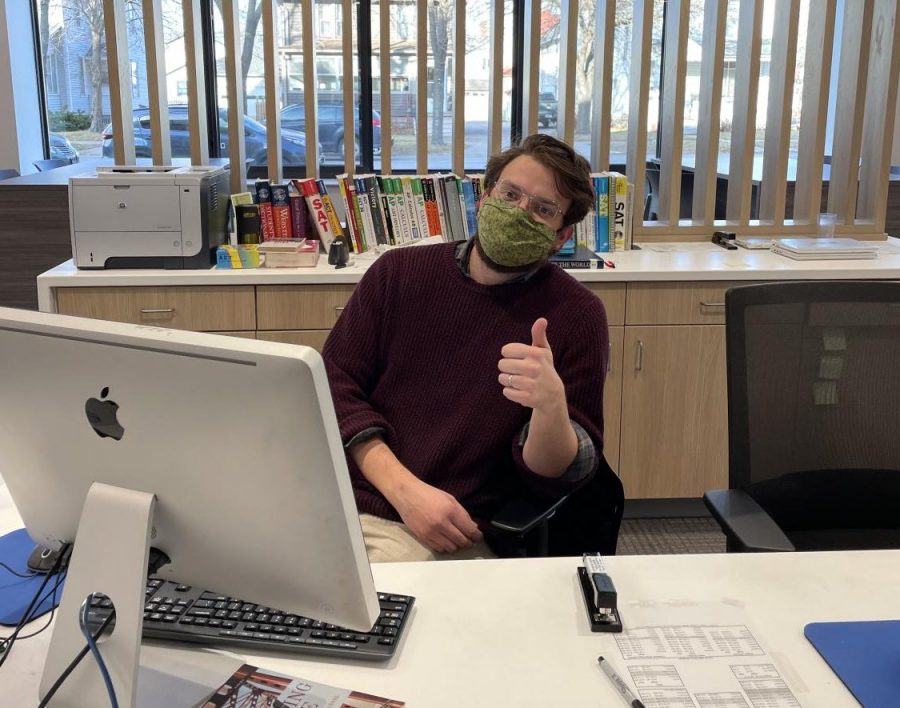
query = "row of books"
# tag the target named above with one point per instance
(385, 210)
(396, 210)
(608, 226)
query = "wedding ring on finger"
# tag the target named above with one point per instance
(509, 382)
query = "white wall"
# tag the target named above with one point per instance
(21, 141)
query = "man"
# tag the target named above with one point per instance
(461, 371)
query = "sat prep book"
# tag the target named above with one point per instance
(261, 688)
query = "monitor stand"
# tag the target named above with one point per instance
(110, 556)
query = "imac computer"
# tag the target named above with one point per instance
(223, 453)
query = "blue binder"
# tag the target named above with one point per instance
(16, 593)
(864, 655)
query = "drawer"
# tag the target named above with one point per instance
(218, 308)
(126, 208)
(613, 296)
(314, 338)
(300, 306)
(676, 303)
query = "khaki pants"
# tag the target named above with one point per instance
(390, 541)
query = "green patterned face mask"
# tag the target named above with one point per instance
(510, 237)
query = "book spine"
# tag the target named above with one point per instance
(264, 200)
(365, 209)
(300, 217)
(409, 202)
(601, 239)
(377, 209)
(317, 211)
(352, 226)
(330, 211)
(281, 211)
(621, 197)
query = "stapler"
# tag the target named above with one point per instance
(600, 598)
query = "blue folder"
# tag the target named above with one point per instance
(864, 655)
(16, 593)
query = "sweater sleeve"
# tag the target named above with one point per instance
(352, 354)
(581, 359)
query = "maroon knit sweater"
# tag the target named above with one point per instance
(416, 352)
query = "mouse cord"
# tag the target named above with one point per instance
(27, 616)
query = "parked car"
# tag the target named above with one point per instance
(293, 144)
(548, 109)
(331, 125)
(61, 149)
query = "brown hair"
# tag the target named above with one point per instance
(573, 172)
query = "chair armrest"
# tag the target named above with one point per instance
(521, 515)
(746, 522)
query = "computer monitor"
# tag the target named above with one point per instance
(235, 439)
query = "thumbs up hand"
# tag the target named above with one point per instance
(527, 373)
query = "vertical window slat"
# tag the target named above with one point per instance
(459, 88)
(310, 97)
(706, 159)
(154, 42)
(568, 47)
(639, 92)
(881, 106)
(271, 83)
(422, 86)
(531, 66)
(601, 107)
(384, 35)
(848, 119)
(495, 114)
(776, 149)
(350, 156)
(672, 127)
(196, 98)
(746, 89)
(814, 112)
(237, 150)
(119, 69)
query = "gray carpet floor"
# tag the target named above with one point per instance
(670, 535)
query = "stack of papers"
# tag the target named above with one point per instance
(815, 249)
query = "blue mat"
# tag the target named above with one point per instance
(16, 593)
(864, 655)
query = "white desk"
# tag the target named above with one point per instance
(514, 633)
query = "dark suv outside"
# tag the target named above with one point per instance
(293, 144)
(548, 107)
(331, 125)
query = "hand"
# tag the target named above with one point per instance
(435, 517)
(527, 373)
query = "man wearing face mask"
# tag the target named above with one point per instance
(462, 371)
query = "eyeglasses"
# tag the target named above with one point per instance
(542, 208)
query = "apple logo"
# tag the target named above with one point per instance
(102, 415)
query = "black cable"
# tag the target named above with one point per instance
(71, 667)
(27, 615)
(16, 572)
(59, 578)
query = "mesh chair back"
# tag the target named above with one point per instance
(814, 405)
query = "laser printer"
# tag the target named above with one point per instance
(148, 216)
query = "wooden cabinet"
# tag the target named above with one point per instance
(286, 307)
(218, 308)
(674, 415)
(612, 398)
(314, 338)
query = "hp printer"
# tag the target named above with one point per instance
(148, 216)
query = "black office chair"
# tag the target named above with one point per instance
(651, 202)
(7, 174)
(814, 433)
(51, 164)
(586, 520)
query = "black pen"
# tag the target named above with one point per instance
(620, 685)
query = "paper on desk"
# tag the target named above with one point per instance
(705, 655)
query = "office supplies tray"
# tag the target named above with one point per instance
(186, 614)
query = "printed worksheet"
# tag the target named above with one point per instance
(702, 656)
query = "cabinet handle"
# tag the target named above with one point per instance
(639, 364)
(158, 311)
(609, 360)
(338, 310)
(711, 304)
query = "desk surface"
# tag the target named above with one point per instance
(514, 633)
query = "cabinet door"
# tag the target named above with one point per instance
(612, 398)
(314, 338)
(674, 414)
